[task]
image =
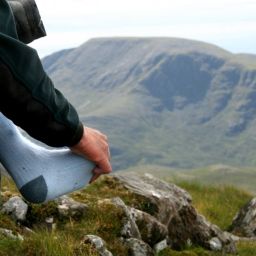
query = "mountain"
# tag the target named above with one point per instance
(163, 101)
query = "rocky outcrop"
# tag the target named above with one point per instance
(244, 223)
(171, 206)
(156, 215)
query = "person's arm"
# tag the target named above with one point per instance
(53, 121)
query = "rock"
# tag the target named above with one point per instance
(16, 207)
(68, 207)
(98, 244)
(137, 247)
(244, 223)
(215, 244)
(49, 221)
(160, 246)
(171, 206)
(9, 234)
(226, 239)
(129, 228)
(151, 230)
(162, 198)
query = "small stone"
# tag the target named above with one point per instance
(16, 207)
(98, 244)
(49, 220)
(68, 207)
(215, 244)
(9, 234)
(160, 246)
(63, 210)
(50, 223)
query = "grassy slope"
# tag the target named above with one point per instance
(218, 204)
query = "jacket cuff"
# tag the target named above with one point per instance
(77, 136)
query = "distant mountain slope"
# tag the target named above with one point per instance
(215, 175)
(163, 101)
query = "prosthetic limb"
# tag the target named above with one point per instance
(40, 174)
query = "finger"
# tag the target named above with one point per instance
(96, 174)
(94, 177)
(105, 165)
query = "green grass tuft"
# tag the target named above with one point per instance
(219, 204)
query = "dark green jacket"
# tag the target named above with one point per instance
(27, 94)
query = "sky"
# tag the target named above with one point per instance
(230, 24)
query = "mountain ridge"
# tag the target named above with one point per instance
(166, 101)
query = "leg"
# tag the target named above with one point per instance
(39, 173)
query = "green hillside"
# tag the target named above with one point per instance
(163, 101)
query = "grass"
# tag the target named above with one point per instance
(191, 252)
(218, 204)
(246, 248)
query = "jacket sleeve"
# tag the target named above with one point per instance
(42, 111)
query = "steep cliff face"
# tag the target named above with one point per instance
(163, 101)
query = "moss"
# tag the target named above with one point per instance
(104, 187)
(109, 187)
(37, 213)
(7, 222)
(105, 220)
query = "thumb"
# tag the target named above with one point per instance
(96, 172)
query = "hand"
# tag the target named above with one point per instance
(94, 147)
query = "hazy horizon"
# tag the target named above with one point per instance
(230, 24)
